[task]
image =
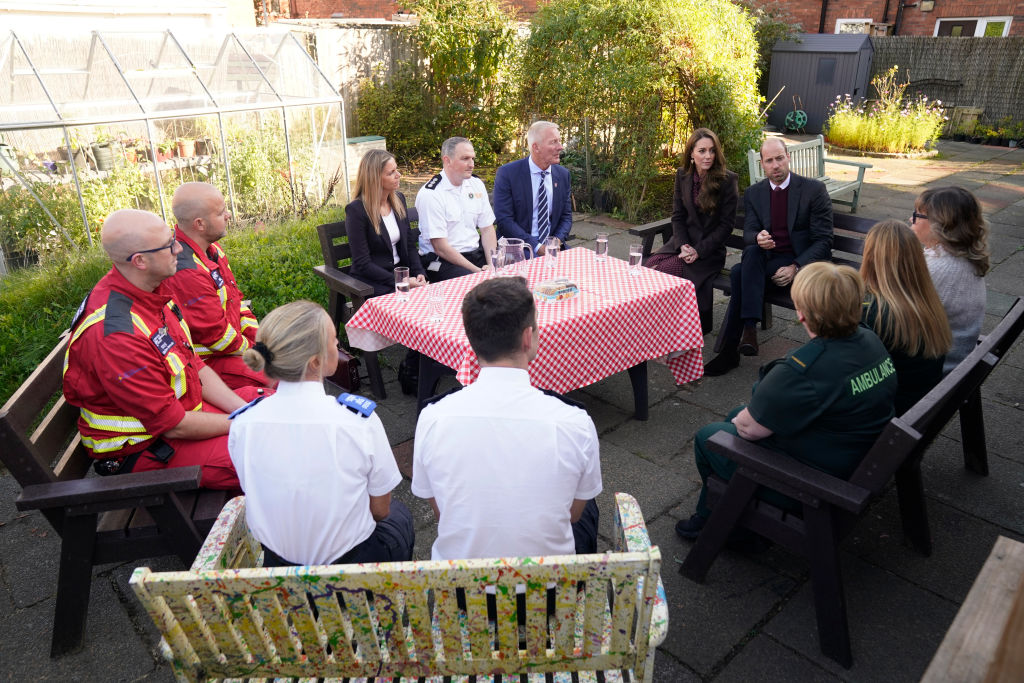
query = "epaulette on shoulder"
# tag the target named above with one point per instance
(435, 399)
(186, 257)
(432, 183)
(564, 399)
(118, 316)
(246, 407)
(804, 357)
(360, 405)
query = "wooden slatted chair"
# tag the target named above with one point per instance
(99, 519)
(230, 618)
(828, 506)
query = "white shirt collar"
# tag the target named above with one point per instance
(784, 185)
(515, 376)
(446, 184)
(300, 388)
(534, 168)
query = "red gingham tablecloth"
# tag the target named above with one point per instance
(616, 321)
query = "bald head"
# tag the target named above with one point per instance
(128, 231)
(771, 146)
(190, 202)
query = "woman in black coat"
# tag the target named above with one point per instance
(703, 214)
(378, 226)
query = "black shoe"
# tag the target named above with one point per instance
(748, 342)
(408, 377)
(722, 363)
(690, 528)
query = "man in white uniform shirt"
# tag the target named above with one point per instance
(456, 220)
(510, 470)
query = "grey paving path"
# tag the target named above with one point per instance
(754, 617)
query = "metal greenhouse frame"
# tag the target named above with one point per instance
(52, 87)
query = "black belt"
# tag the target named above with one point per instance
(158, 449)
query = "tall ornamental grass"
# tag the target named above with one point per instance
(892, 123)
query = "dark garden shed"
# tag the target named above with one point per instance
(815, 69)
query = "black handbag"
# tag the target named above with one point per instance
(347, 375)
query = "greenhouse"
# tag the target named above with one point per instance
(102, 121)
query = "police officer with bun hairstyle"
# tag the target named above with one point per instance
(317, 471)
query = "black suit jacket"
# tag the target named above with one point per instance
(372, 260)
(809, 217)
(705, 232)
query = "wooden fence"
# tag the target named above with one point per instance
(968, 72)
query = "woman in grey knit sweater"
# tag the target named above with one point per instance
(949, 224)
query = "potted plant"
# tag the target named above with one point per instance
(164, 150)
(186, 148)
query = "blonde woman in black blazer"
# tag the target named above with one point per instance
(703, 215)
(377, 248)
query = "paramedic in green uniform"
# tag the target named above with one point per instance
(823, 404)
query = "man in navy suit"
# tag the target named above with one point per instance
(532, 199)
(787, 224)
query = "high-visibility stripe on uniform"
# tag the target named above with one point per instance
(222, 291)
(179, 381)
(97, 316)
(113, 423)
(229, 336)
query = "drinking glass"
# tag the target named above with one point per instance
(402, 283)
(551, 247)
(601, 250)
(636, 255)
(497, 257)
(435, 299)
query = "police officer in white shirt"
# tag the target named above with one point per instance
(317, 472)
(510, 470)
(456, 220)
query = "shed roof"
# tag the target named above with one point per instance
(825, 42)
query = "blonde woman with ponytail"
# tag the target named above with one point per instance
(317, 472)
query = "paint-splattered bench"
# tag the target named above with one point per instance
(230, 618)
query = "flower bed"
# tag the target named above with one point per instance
(892, 123)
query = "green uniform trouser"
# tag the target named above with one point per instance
(708, 461)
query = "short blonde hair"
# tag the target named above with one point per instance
(829, 297)
(288, 337)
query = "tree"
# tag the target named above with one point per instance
(631, 80)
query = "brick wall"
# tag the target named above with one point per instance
(913, 23)
(376, 9)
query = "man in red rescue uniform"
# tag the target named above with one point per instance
(205, 288)
(146, 400)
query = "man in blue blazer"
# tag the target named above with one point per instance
(532, 197)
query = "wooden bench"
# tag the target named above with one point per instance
(228, 617)
(346, 293)
(808, 159)
(828, 507)
(118, 518)
(847, 247)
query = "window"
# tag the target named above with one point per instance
(826, 71)
(853, 25)
(994, 27)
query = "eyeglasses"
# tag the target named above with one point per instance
(169, 245)
(915, 215)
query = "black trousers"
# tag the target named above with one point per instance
(447, 271)
(748, 280)
(391, 541)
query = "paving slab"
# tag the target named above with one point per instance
(114, 650)
(766, 659)
(29, 556)
(894, 625)
(708, 620)
(671, 426)
(962, 543)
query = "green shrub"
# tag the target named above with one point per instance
(273, 265)
(893, 123)
(630, 81)
(463, 84)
